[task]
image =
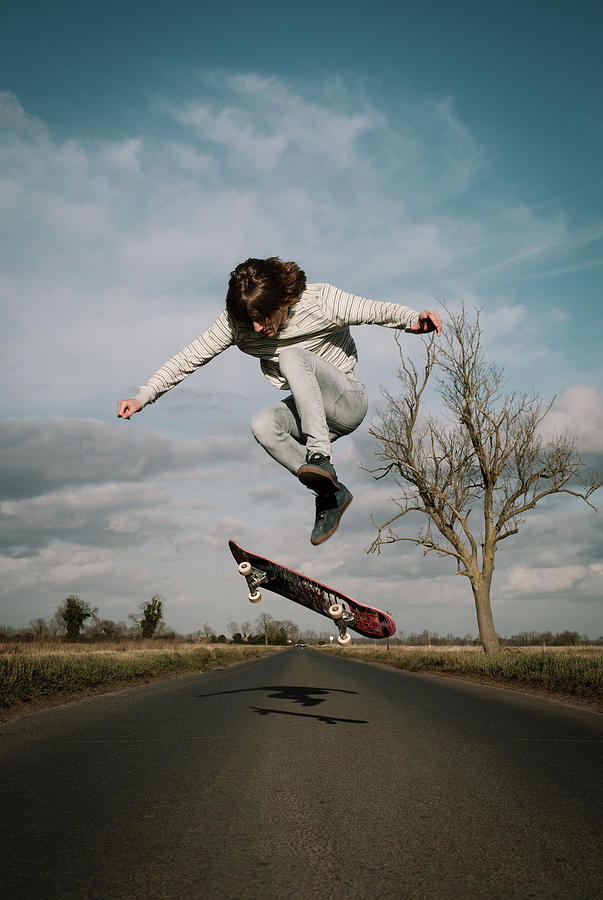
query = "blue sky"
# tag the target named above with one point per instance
(408, 152)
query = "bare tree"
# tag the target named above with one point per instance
(290, 628)
(265, 622)
(150, 616)
(487, 452)
(207, 631)
(39, 628)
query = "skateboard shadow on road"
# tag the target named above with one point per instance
(328, 720)
(304, 696)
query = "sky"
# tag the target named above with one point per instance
(411, 152)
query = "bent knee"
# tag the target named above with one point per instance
(263, 425)
(292, 356)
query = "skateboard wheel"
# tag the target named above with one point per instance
(336, 611)
(254, 597)
(245, 568)
(345, 640)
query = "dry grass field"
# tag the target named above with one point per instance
(571, 673)
(37, 672)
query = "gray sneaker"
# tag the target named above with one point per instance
(329, 510)
(318, 474)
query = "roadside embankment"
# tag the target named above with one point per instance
(568, 673)
(33, 674)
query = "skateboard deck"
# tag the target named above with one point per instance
(342, 610)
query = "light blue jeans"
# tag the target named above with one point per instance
(324, 404)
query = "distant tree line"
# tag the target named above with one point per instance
(548, 639)
(76, 620)
(523, 639)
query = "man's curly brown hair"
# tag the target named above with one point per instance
(258, 287)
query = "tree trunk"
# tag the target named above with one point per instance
(485, 622)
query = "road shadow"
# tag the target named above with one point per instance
(305, 696)
(328, 720)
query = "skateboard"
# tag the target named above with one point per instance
(343, 611)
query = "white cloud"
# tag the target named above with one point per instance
(43, 455)
(579, 412)
(123, 155)
(14, 118)
(534, 580)
(560, 315)
(263, 124)
(503, 321)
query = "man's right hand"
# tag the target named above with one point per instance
(127, 408)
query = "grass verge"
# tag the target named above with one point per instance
(569, 675)
(36, 674)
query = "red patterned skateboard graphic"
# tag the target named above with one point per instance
(267, 574)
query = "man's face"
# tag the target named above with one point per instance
(271, 324)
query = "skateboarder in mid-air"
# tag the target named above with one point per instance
(301, 334)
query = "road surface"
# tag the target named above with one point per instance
(302, 775)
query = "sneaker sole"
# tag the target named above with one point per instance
(317, 479)
(325, 537)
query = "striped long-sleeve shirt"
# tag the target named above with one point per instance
(318, 321)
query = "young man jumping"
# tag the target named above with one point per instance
(301, 335)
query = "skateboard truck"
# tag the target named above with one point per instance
(254, 578)
(337, 611)
(342, 618)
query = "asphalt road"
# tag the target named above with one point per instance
(302, 775)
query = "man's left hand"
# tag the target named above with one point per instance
(429, 320)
